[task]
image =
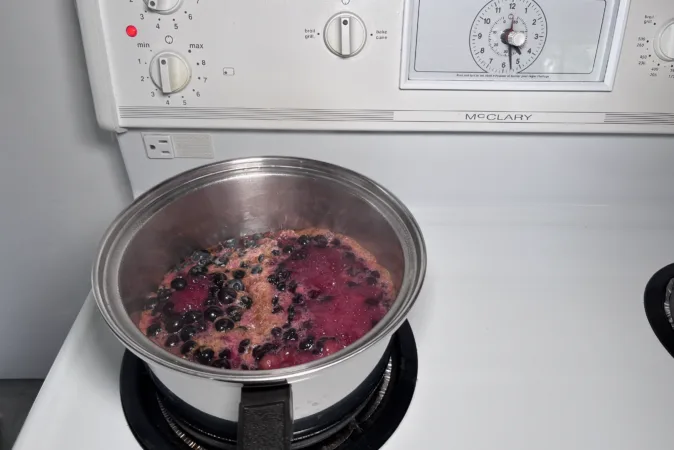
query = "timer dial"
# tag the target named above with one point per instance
(507, 36)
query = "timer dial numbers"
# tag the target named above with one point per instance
(507, 36)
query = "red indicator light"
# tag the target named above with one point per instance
(131, 31)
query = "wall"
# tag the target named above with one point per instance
(61, 182)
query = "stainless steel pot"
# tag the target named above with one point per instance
(206, 205)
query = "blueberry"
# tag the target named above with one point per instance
(210, 301)
(201, 256)
(281, 286)
(286, 325)
(221, 364)
(371, 281)
(291, 313)
(258, 236)
(277, 309)
(349, 256)
(256, 270)
(204, 355)
(249, 243)
(326, 298)
(238, 274)
(244, 265)
(172, 341)
(303, 240)
(188, 347)
(230, 243)
(290, 334)
(244, 367)
(241, 253)
(150, 303)
(164, 294)
(351, 284)
(276, 332)
(212, 313)
(235, 284)
(260, 350)
(221, 261)
(298, 299)
(307, 343)
(336, 242)
(225, 354)
(179, 284)
(224, 325)
(213, 291)
(187, 332)
(288, 249)
(153, 330)
(260, 258)
(201, 326)
(375, 273)
(275, 252)
(371, 301)
(246, 302)
(320, 241)
(292, 286)
(283, 275)
(197, 271)
(191, 317)
(313, 294)
(275, 299)
(173, 323)
(168, 308)
(219, 279)
(227, 296)
(319, 345)
(272, 279)
(243, 345)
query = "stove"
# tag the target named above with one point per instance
(541, 182)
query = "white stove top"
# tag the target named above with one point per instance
(530, 329)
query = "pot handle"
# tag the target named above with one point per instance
(265, 418)
(657, 291)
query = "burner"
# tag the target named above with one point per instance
(657, 302)
(364, 420)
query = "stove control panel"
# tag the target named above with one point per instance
(389, 65)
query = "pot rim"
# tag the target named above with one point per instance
(109, 302)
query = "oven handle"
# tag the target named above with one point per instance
(265, 418)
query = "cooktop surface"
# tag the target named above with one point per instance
(530, 331)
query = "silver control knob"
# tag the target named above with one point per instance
(170, 72)
(163, 6)
(664, 42)
(516, 38)
(345, 35)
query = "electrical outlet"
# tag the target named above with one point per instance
(158, 146)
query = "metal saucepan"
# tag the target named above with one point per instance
(207, 205)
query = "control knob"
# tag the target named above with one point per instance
(345, 35)
(162, 6)
(170, 72)
(664, 42)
